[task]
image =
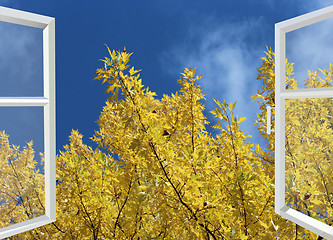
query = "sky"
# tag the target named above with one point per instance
(225, 40)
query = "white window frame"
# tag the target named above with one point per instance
(48, 104)
(281, 94)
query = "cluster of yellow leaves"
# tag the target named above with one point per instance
(196, 186)
(22, 185)
(308, 144)
(309, 152)
(159, 174)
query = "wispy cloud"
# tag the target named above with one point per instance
(310, 5)
(21, 60)
(310, 47)
(228, 55)
(21, 74)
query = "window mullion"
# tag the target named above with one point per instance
(307, 93)
(23, 101)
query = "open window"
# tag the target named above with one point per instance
(36, 106)
(303, 143)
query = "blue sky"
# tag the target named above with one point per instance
(223, 39)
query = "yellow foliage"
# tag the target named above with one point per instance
(159, 174)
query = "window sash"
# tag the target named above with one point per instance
(47, 24)
(281, 94)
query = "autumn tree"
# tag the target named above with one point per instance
(164, 176)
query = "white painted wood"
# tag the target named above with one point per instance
(23, 101)
(324, 92)
(279, 84)
(24, 18)
(268, 116)
(305, 19)
(49, 120)
(48, 102)
(307, 222)
(281, 94)
(24, 226)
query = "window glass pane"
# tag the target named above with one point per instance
(310, 48)
(21, 166)
(309, 156)
(21, 61)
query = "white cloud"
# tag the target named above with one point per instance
(227, 56)
(310, 5)
(297, 6)
(21, 60)
(21, 74)
(310, 47)
(229, 53)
